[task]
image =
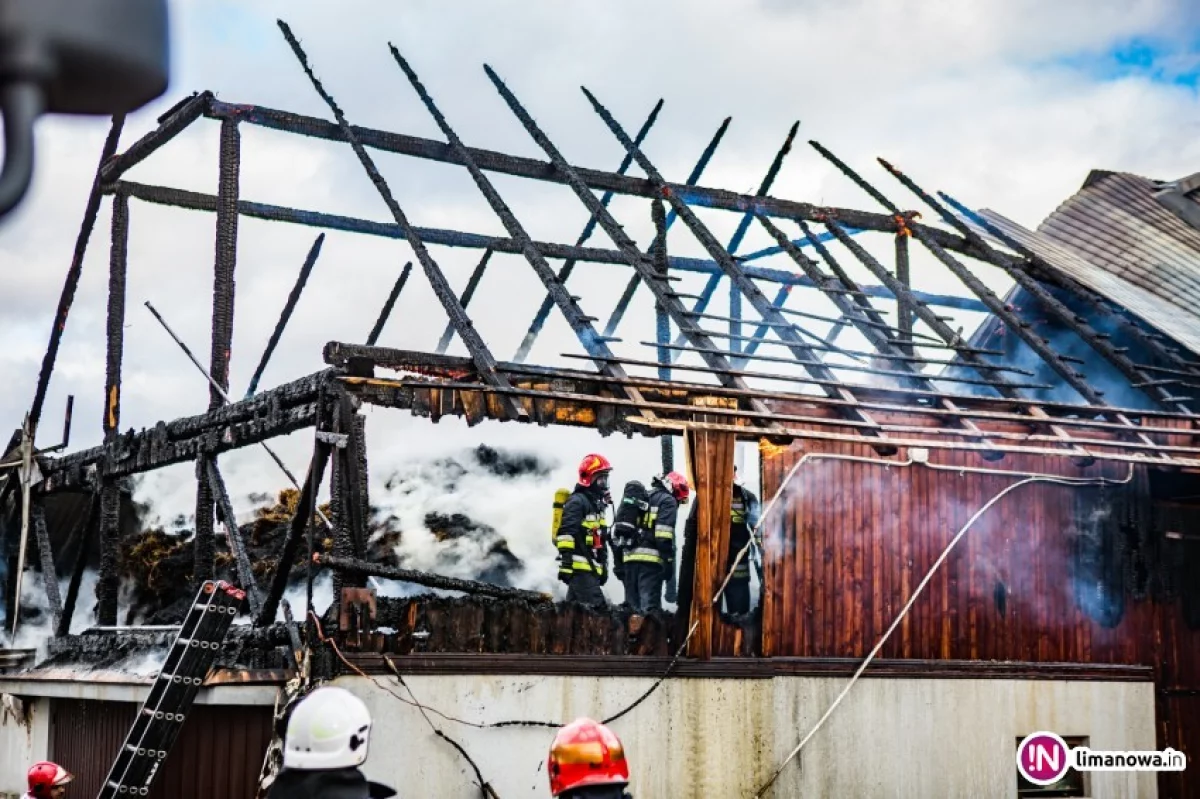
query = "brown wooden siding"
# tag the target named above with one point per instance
(850, 542)
(853, 540)
(218, 753)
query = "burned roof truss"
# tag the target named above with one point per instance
(932, 387)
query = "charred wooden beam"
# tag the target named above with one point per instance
(1123, 450)
(430, 580)
(757, 299)
(301, 520)
(349, 502)
(388, 304)
(279, 411)
(662, 316)
(584, 409)
(450, 368)
(1056, 310)
(237, 546)
(71, 283)
(859, 315)
(989, 372)
(735, 241)
(614, 319)
(480, 353)
(863, 355)
(360, 482)
(293, 297)
(170, 125)
(89, 530)
(905, 374)
(1018, 326)
(543, 311)
(593, 343)
(226, 258)
(46, 555)
(903, 274)
(760, 333)
(1074, 378)
(1151, 341)
(196, 201)
(653, 273)
(465, 299)
(204, 544)
(115, 325)
(504, 163)
(108, 583)
(849, 287)
(224, 266)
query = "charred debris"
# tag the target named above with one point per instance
(877, 364)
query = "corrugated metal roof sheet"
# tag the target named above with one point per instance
(1118, 229)
(1096, 263)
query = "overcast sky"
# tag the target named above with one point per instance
(1006, 104)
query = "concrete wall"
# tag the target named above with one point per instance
(717, 738)
(21, 744)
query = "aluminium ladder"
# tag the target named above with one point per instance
(162, 715)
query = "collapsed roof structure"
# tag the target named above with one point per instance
(915, 391)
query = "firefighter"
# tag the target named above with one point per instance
(47, 781)
(583, 534)
(743, 518)
(327, 739)
(649, 560)
(587, 761)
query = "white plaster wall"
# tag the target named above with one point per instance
(717, 738)
(22, 745)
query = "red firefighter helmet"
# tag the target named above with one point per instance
(590, 466)
(677, 484)
(45, 776)
(584, 753)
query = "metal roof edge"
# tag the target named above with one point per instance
(224, 687)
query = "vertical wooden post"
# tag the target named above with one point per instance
(711, 455)
(108, 584)
(224, 264)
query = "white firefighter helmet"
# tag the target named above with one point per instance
(329, 729)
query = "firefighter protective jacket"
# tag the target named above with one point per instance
(660, 524)
(583, 534)
(742, 520)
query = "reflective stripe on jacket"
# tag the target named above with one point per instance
(582, 534)
(743, 517)
(660, 521)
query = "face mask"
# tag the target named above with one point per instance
(601, 481)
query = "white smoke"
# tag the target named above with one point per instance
(518, 508)
(35, 633)
(144, 664)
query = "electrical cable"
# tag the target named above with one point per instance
(485, 787)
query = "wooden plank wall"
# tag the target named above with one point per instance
(711, 455)
(850, 541)
(853, 540)
(219, 752)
